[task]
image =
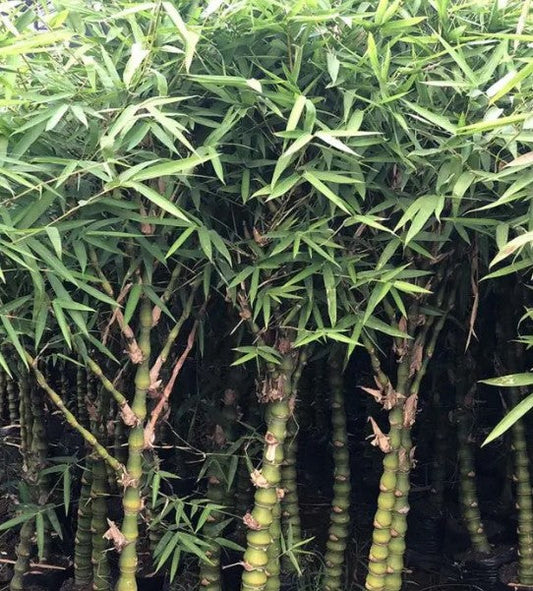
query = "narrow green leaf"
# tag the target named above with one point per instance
(514, 380)
(326, 191)
(510, 419)
(158, 199)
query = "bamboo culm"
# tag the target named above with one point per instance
(524, 502)
(12, 401)
(258, 565)
(210, 573)
(24, 547)
(340, 506)
(467, 482)
(290, 510)
(39, 453)
(99, 554)
(83, 569)
(132, 502)
(23, 551)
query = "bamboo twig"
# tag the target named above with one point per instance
(73, 421)
(36, 564)
(150, 427)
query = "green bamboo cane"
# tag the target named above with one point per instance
(81, 395)
(132, 502)
(23, 552)
(39, 453)
(521, 474)
(468, 496)
(73, 421)
(340, 506)
(99, 554)
(83, 568)
(290, 510)
(258, 564)
(381, 536)
(26, 419)
(210, 573)
(427, 340)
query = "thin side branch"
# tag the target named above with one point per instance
(150, 427)
(73, 421)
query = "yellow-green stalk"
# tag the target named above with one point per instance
(340, 505)
(132, 502)
(376, 579)
(277, 394)
(410, 375)
(72, 420)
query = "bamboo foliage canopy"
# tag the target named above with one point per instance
(333, 172)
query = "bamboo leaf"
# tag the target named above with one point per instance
(510, 419)
(296, 113)
(157, 199)
(326, 191)
(436, 119)
(514, 380)
(512, 247)
(137, 57)
(331, 293)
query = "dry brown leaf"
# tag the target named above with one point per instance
(284, 346)
(409, 410)
(474, 280)
(250, 522)
(128, 480)
(412, 457)
(114, 535)
(219, 437)
(391, 398)
(149, 437)
(128, 416)
(230, 397)
(272, 444)
(376, 394)
(259, 238)
(258, 480)
(380, 439)
(416, 359)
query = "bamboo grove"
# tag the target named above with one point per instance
(232, 231)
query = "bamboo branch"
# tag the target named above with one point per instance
(156, 311)
(150, 427)
(72, 421)
(127, 414)
(134, 350)
(172, 336)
